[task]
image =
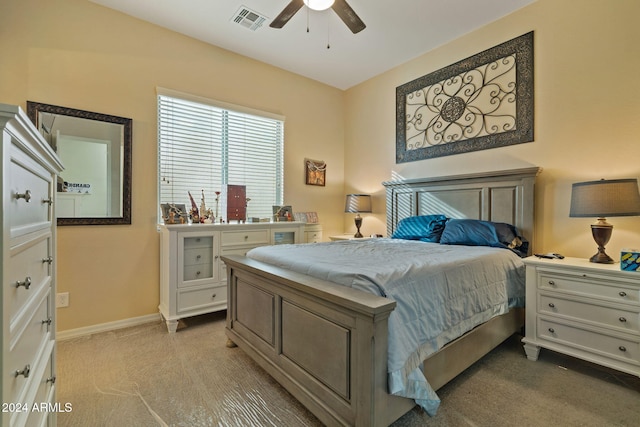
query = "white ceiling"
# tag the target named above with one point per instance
(397, 31)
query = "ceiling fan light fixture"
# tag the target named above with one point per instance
(319, 4)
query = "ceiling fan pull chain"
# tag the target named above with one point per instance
(328, 32)
(307, 20)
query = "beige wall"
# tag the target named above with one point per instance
(587, 112)
(80, 55)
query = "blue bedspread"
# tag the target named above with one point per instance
(441, 291)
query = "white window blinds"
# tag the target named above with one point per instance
(203, 147)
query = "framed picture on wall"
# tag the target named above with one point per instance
(482, 102)
(315, 171)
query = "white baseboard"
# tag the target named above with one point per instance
(105, 327)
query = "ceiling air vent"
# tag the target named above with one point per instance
(248, 18)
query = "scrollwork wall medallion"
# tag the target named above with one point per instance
(485, 101)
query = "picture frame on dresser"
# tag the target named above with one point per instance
(178, 209)
(282, 213)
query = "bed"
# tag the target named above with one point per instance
(328, 344)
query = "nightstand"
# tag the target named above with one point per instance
(585, 310)
(348, 236)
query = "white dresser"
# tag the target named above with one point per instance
(193, 279)
(586, 310)
(29, 169)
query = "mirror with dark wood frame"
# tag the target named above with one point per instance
(95, 149)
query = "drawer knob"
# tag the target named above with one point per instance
(47, 201)
(26, 283)
(622, 294)
(552, 283)
(198, 256)
(25, 371)
(51, 380)
(213, 296)
(622, 348)
(622, 319)
(553, 331)
(552, 305)
(26, 196)
(197, 273)
(48, 260)
(246, 237)
(47, 321)
(216, 257)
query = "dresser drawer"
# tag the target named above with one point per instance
(194, 299)
(610, 289)
(247, 237)
(27, 179)
(197, 272)
(26, 348)
(313, 236)
(624, 319)
(198, 256)
(237, 251)
(198, 242)
(30, 268)
(44, 395)
(624, 349)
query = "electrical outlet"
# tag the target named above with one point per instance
(62, 299)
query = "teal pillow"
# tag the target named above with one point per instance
(473, 232)
(426, 228)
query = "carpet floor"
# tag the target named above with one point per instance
(143, 376)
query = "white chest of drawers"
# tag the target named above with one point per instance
(192, 277)
(29, 171)
(586, 310)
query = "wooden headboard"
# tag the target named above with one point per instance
(501, 196)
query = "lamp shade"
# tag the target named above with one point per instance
(605, 198)
(358, 203)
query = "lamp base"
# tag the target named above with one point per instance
(602, 258)
(358, 221)
(601, 232)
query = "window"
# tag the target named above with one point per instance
(203, 145)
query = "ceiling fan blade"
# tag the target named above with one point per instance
(287, 13)
(344, 11)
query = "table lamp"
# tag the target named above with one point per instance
(614, 197)
(357, 203)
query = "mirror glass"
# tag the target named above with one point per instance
(95, 149)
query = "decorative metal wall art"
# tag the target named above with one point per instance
(485, 101)
(315, 171)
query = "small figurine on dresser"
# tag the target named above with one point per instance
(217, 202)
(206, 215)
(203, 208)
(195, 215)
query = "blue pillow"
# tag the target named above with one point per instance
(473, 232)
(426, 228)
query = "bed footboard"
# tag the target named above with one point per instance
(326, 344)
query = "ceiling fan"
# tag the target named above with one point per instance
(340, 7)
